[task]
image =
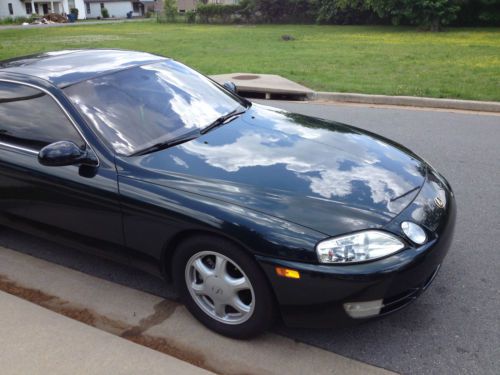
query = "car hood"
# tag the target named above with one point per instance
(327, 176)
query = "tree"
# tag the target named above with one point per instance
(429, 13)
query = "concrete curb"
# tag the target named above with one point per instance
(58, 345)
(154, 323)
(410, 101)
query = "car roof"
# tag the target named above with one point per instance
(67, 67)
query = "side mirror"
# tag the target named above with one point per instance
(230, 86)
(63, 153)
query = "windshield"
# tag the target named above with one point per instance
(136, 108)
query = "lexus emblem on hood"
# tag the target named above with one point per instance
(439, 202)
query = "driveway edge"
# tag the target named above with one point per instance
(409, 101)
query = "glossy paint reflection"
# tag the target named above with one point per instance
(329, 177)
(65, 67)
(149, 104)
(154, 214)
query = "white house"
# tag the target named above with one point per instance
(116, 8)
(25, 8)
(86, 8)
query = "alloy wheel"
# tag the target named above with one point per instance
(220, 287)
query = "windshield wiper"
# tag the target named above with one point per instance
(163, 145)
(223, 120)
(184, 138)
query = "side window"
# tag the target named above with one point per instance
(32, 119)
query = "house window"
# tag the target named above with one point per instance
(102, 5)
(87, 7)
(11, 10)
(36, 8)
(135, 7)
(29, 9)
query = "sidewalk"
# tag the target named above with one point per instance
(35, 340)
(122, 312)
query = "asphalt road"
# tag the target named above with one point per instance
(454, 328)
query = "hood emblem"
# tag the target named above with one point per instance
(439, 202)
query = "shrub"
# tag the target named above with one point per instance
(190, 16)
(7, 20)
(14, 20)
(170, 10)
(345, 12)
(479, 12)
(217, 13)
(429, 13)
(277, 11)
(74, 11)
(104, 13)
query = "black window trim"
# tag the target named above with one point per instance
(68, 116)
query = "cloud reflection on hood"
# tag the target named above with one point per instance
(335, 164)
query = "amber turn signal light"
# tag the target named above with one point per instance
(286, 272)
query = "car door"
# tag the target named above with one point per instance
(72, 203)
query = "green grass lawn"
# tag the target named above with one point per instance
(458, 63)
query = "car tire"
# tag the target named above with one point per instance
(223, 287)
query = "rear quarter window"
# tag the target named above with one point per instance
(32, 119)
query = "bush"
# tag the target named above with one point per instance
(345, 12)
(479, 13)
(170, 10)
(190, 16)
(432, 14)
(217, 13)
(6, 20)
(74, 11)
(14, 20)
(104, 13)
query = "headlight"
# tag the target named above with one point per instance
(358, 247)
(414, 232)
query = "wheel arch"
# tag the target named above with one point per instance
(174, 242)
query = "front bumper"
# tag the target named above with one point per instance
(317, 299)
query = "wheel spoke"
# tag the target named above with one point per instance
(199, 289)
(220, 309)
(238, 284)
(202, 269)
(220, 266)
(239, 306)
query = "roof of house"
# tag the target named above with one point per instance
(64, 68)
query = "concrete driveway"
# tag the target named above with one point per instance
(455, 326)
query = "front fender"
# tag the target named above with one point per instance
(154, 214)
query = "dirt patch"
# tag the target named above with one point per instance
(62, 307)
(161, 345)
(163, 311)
